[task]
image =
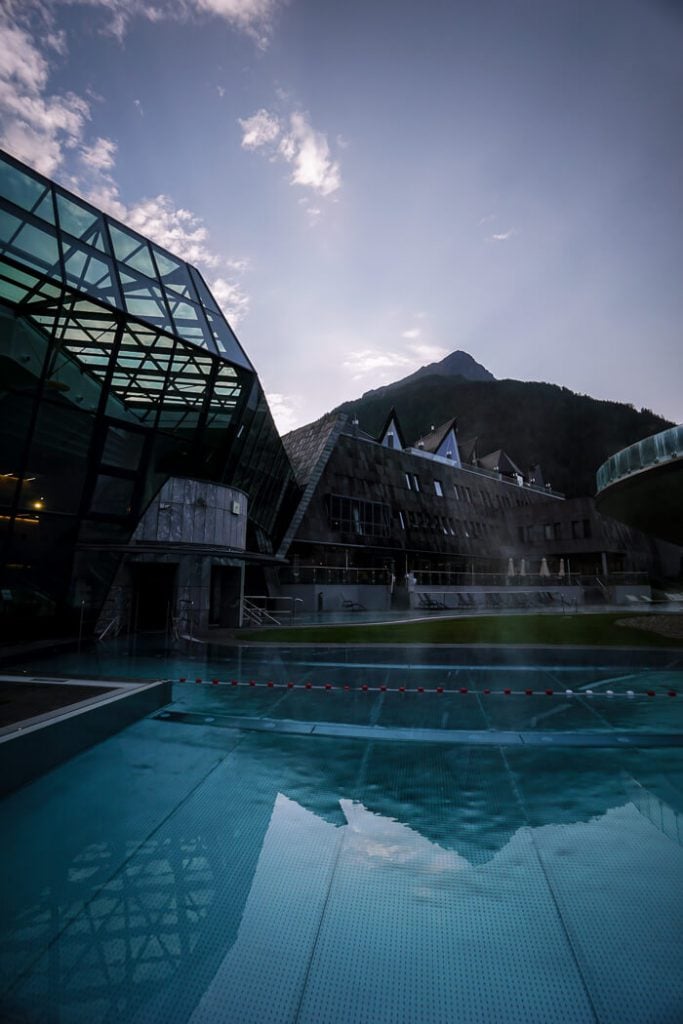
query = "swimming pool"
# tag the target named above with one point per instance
(223, 861)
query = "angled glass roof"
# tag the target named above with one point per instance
(52, 243)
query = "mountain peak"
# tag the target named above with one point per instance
(456, 364)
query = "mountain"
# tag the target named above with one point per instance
(570, 435)
(457, 364)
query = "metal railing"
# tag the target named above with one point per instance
(474, 578)
(112, 628)
(332, 574)
(256, 615)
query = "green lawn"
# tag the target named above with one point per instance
(493, 629)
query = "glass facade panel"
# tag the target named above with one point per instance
(91, 272)
(174, 274)
(25, 191)
(132, 251)
(35, 247)
(112, 495)
(80, 221)
(122, 447)
(78, 363)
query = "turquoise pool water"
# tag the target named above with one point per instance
(194, 868)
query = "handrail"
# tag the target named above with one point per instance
(113, 624)
(257, 616)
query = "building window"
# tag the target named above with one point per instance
(548, 531)
(416, 482)
(365, 518)
(438, 488)
(401, 520)
(408, 484)
(581, 528)
(456, 491)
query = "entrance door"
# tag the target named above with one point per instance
(226, 593)
(153, 594)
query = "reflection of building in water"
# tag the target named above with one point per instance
(282, 877)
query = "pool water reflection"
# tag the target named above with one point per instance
(186, 872)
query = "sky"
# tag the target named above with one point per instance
(368, 185)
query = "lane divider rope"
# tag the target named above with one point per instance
(270, 684)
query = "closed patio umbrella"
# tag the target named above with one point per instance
(511, 567)
(544, 570)
(522, 567)
(561, 569)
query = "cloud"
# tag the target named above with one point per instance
(503, 237)
(431, 353)
(387, 364)
(309, 154)
(100, 155)
(43, 129)
(298, 144)
(231, 298)
(369, 360)
(413, 332)
(255, 18)
(285, 410)
(34, 125)
(259, 129)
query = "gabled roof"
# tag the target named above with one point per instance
(536, 476)
(432, 441)
(468, 450)
(392, 418)
(305, 444)
(500, 462)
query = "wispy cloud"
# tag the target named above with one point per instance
(254, 18)
(100, 155)
(35, 125)
(231, 298)
(296, 142)
(503, 237)
(361, 362)
(430, 353)
(259, 129)
(413, 332)
(48, 132)
(285, 410)
(386, 364)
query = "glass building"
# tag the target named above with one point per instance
(117, 371)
